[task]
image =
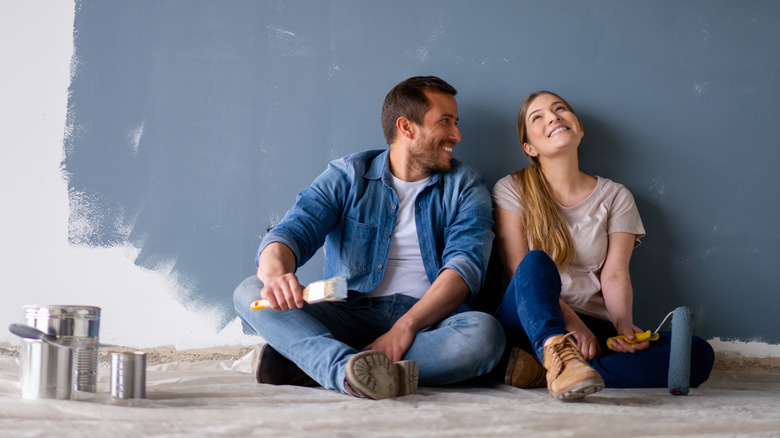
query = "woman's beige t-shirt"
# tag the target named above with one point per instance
(610, 208)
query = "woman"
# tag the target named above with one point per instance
(562, 303)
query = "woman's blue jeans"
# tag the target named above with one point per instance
(321, 337)
(530, 313)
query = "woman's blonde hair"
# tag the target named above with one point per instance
(544, 223)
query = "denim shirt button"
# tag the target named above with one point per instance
(379, 266)
(387, 235)
(395, 207)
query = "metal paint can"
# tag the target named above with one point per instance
(75, 327)
(46, 370)
(128, 375)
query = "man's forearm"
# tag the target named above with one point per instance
(445, 295)
(276, 259)
(440, 300)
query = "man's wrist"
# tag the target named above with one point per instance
(406, 324)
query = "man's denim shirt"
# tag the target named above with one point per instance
(352, 208)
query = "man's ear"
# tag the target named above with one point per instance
(405, 127)
(530, 150)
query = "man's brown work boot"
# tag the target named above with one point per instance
(524, 370)
(274, 369)
(371, 374)
(569, 377)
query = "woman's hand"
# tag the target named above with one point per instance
(586, 340)
(622, 346)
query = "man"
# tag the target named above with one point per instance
(410, 228)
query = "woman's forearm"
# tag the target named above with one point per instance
(619, 300)
(616, 282)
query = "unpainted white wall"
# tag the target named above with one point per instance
(38, 264)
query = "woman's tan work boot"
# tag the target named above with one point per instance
(569, 377)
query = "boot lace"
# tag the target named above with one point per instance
(564, 351)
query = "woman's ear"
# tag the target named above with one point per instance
(530, 150)
(405, 127)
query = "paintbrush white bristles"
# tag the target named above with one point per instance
(333, 289)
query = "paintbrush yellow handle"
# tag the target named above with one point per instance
(259, 304)
(640, 337)
(262, 304)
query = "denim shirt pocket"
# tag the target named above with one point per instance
(357, 243)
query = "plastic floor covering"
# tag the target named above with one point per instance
(212, 398)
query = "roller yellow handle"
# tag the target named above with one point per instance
(640, 337)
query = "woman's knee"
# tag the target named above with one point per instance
(702, 361)
(538, 258)
(537, 263)
(536, 276)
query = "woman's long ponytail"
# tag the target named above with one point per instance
(544, 224)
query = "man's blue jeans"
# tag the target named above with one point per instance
(321, 337)
(530, 313)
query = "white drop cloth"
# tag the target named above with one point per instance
(220, 398)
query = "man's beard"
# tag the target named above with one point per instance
(425, 156)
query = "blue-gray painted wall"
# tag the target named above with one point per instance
(239, 104)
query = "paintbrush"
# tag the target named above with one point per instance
(333, 289)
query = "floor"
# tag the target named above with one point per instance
(212, 394)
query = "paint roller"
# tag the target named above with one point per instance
(678, 379)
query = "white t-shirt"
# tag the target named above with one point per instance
(404, 270)
(610, 208)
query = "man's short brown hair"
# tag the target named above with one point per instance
(408, 99)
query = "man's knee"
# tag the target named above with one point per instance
(247, 292)
(488, 338)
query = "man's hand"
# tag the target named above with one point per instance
(446, 293)
(283, 292)
(395, 343)
(276, 270)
